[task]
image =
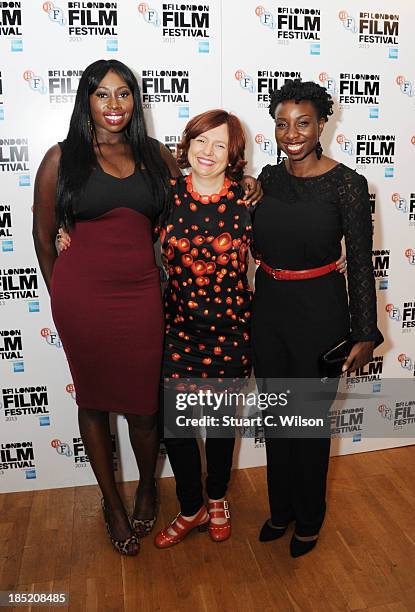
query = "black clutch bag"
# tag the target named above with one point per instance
(332, 361)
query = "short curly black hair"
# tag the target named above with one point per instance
(299, 90)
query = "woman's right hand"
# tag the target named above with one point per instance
(63, 240)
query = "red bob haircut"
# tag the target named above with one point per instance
(207, 121)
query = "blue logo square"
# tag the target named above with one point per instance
(389, 172)
(374, 112)
(7, 246)
(30, 474)
(204, 46)
(44, 421)
(1, 114)
(16, 45)
(383, 284)
(393, 53)
(184, 112)
(357, 437)
(34, 307)
(112, 45)
(377, 387)
(24, 180)
(315, 49)
(18, 366)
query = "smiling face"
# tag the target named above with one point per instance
(208, 152)
(297, 128)
(111, 104)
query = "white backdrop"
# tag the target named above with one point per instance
(189, 58)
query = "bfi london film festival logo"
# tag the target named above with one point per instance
(62, 448)
(171, 141)
(370, 373)
(266, 145)
(354, 89)
(402, 415)
(20, 284)
(293, 24)
(161, 87)
(410, 256)
(374, 29)
(385, 412)
(18, 456)
(371, 149)
(11, 25)
(407, 87)
(22, 402)
(11, 348)
(404, 314)
(70, 389)
(14, 158)
(76, 451)
(264, 83)
(180, 21)
(82, 20)
(381, 266)
(347, 422)
(407, 209)
(6, 228)
(60, 86)
(406, 363)
(51, 337)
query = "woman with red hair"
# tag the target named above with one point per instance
(207, 306)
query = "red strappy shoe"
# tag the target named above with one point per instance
(181, 528)
(219, 509)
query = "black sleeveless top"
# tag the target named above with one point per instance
(104, 192)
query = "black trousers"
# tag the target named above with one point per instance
(293, 323)
(184, 456)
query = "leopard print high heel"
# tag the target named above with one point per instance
(121, 546)
(143, 527)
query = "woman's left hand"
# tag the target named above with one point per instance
(359, 356)
(253, 190)
(63, 240)
(342, 264)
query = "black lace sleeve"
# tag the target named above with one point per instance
(357, 229)
(266, 175)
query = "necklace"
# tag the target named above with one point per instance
(207, 199)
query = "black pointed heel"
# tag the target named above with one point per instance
(298, 548)
(269, 533)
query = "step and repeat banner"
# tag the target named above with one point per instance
(190, 57)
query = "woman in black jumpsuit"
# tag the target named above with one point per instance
(310, 203)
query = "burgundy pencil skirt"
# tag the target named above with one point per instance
(107, 308)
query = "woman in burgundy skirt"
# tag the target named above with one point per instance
(108, 182)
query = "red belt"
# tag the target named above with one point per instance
(279, 274)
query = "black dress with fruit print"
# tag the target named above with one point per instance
(207, 301)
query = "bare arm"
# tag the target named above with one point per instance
(44, 217)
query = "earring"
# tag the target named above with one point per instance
(319, 150)
(90, 128)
